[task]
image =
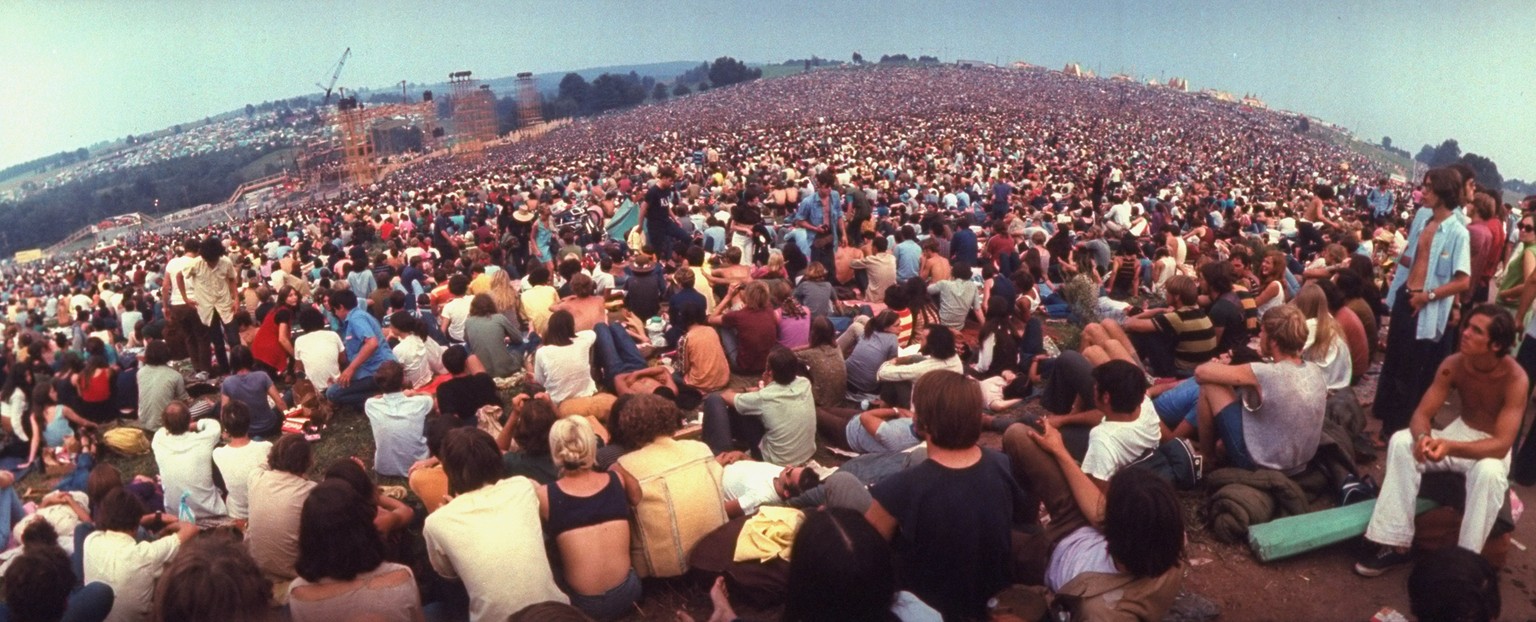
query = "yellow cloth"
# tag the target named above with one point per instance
(768, 534)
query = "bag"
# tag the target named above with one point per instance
(316, 408)
(1175, 461)
(127, 441)
(488, 418)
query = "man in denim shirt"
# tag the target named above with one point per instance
(1438, 262)
(820, 218)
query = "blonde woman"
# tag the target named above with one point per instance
(503, 292)
(1325, 347)
(587, 513)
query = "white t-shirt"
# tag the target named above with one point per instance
(1084, 550)
(421, 358)
(751, 483)
(1336, 364)
(491, 539)
(456, 312)
(174, 268)
(566, 371)
(319, 351)
(15, 410)
(130, 568)
(236, 465)
(186, 466)
(1114, 444)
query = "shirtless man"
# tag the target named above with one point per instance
(1493, 391)
(586, 307)
(646, 381)
(934, 268)
(733, 271)
(1438, 259)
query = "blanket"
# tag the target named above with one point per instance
(1245, 498)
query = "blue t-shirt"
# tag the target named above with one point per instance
(357, 328)
(251, 389)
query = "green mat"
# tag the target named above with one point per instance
(1282, 538)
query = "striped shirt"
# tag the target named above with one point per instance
(1193, 333)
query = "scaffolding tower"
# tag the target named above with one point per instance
(529, 106)
(358, 164)
(474, 120)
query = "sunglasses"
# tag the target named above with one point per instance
(1528, 227)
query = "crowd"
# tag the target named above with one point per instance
(833, 263)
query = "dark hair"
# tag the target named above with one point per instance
(822, 332)
(1217, 276)
(940, 343)
(1451, 584)
(1445, 183)
(39, 533)
(119, 511)
(458, 284)
(470, 459)
(454, 359)
(1143, 522)
(882, 321)
(342, 299)
(688, 315)
(212, 579)
(236, 419)
(1501, 326)
(842, 570)
(561, 329)
(177, 418)
(390, 376)
(539, 275)
(38, 583)
(157, 352)
(290, 454)
(947, 408)
(311, 319)
(211, 250)
(646, 417)
(1125, 383)
(337, 539)
(784, 365)
(482, 305)
(531, 431)
(582, 285)
(240, 358)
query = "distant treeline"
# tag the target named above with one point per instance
(62, 158)
(52, 215)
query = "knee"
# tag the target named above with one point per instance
(1488, 474)
(1400, 443)
(1016, 439)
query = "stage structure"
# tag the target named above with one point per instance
(474, 115)
(350, 155)
(529, 105)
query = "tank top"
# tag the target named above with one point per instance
(567, 511)
(98, 388)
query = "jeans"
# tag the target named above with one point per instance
(661, 233)
(354, 394)
(222, 334)
(616, 351)
(863, 471)
(725, 428)
(11, 510)
(91, 603)
(612, 604)
(1408, 368)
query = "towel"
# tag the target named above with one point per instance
(768, 534)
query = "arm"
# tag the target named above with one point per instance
(882, 520)
(393, 515)
(1268, 293)
(277, 398)
(369, 346)
(631, 485)
(870, 420)
(1231, 375)
(69, 413)
(284, 340)
(181, 284)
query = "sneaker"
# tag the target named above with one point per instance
(201, 376)
(1384, 559)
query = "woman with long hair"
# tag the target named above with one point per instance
(1325, 347)
(998, 349)
(273, 345)
(493, 338)
(794, 319)
(503, 293)
(1125, 274)
(52, 426)
(95, 383)
(341, 566)
(1272, 286)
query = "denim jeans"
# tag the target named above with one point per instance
(616, 351)
(725, 428)
(612, 604)
(354, 394)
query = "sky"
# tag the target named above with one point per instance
(79, 72)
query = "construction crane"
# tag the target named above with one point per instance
(339, 64)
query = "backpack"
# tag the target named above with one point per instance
(1175, 461)
(127, 441)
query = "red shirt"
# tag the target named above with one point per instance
(1499, 235)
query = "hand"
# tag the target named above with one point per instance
(1418, 300)
(730, 457)
(345, 378)
(1435, 449)
(1420, 445)
(1048, 438)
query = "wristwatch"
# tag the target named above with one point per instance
(1431, 295)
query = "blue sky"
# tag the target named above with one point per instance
(79, 72)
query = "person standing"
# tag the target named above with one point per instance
(820, 215)
(181, 324)
(1439, 263)
(660, 226)
(211, 282)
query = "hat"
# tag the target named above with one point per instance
(523, 215)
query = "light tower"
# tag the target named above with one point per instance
(529, 106)
(474, 122)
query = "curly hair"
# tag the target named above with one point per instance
(647, 417)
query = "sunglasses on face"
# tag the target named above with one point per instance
(1528, 227)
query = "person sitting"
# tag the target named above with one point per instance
(460, 398)
(617, 352)
(959, 298)
(253, 391)
(1267, 415)
(158, 384)
(50, 426)
(587, 514)
(702, 363)
(213, 579)
(753, 329)
(794, 319)
(184, 454)
(524, 440)
(1493, 390)
(878, 345)
(39, 584)
(1173, 341)
(588, 308)
(1124, 536)
(938, 353)
(1325, 347)
(237, 459)
(397, 419)
(1452, 584)
(116, 559)
(749, 484)
(390, 515)
(319, 353)
(493, 338)
(416, 351)
(341, 567)
(563, 362)
(950, 516)
(488, 535)
(681, 500)
(846, 571)
(777, 422)
(366, 350)
(824, 361)
(278, 490)
(427, 480)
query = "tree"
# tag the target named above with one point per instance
(575, 88)
(703, 86)
(927, 59)
(727, 71)
(1386, 142)
(1447, 153)
(659, 92)
(250, 111)
(858, 59)
(681, 90)
(612, 91)
(1487, 172)
(1426, 153)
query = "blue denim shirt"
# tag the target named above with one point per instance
(810, 211)
(1450, 254)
